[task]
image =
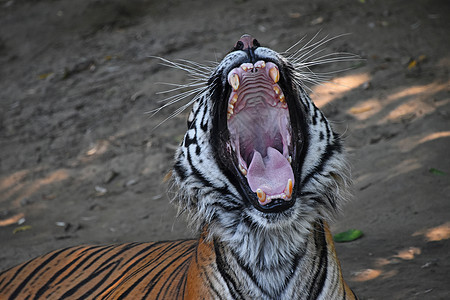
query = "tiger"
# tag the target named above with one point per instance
(259, 173)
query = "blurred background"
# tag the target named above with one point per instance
(81, 161)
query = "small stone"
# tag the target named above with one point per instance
(366, 85)
(100, 190)
(131, 182)
(25, 201)
(317, 21)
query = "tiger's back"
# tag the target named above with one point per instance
(151, 270)
(184, 269)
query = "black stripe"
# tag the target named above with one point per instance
(89, 279)
(222, 266)
(196, 172)
(318, 281)
(179, 169)
(86, 259)
(35, 271)
(204, 123)
(141, 277)
(75, 249)
(16, 273)
(180, 268)
(156, 277)
(189, 141)
(329, 151)
(124, 273)
(211, 286)
(45, 287)
(314, 117)
(111, 248)
(113, 266)
(343, 288)
(59, 272)
(181, 286)
(100, 269)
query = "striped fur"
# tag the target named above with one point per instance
(243, 252)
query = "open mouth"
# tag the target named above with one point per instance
(260, 132)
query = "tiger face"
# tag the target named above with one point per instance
(259, 159)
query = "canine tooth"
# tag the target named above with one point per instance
(261, 195)
(234, 81)
(234, 99)
(243, 170)
(288, 189)
(228, 116)
(277, 90)
(274, 74)
(290, 159)
(282, 98)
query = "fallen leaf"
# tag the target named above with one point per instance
(360, 110)
(437, 172)
(412, 64)
(45, 75)
(348, 236)
(21, 228)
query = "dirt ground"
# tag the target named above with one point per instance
(81, 162)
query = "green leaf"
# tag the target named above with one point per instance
(437, 172)
(21, 228)
(348, 236)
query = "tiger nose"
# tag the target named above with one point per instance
(246, 42)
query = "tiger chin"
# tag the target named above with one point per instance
(259, 172)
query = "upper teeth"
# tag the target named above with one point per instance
(234, 79)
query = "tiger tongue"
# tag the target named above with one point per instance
(269, 173)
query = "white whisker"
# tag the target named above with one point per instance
(199, 75)
(311, 54)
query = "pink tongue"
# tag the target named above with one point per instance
(270, 173)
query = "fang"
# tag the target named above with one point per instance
(288, 189)
(274, 74)
(234, 81)
(261, 195)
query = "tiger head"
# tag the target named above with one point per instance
(259, 158)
